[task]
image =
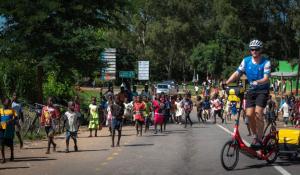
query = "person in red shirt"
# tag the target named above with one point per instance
(138, 109)
(217, 106)
(158, 116)
(48, 119)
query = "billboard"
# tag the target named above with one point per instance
(109, 57)
(143, 70)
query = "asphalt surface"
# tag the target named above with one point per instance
(179, 150)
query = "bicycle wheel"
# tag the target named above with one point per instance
(230, 155)
(271, 149)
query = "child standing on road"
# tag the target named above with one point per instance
(188, 107)
(116, 122)
(285, 108)
(48, 119)
(138, 109)
(179, 110)
(7, 128)
(158, 117)
(147, 113)
(71, 122)
(94, 117)
(199, 103)
(18, 108)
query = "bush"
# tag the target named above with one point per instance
(17, 76)
(60, 90)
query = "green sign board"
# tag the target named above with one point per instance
(126, 74)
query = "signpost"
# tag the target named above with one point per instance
(126, 74)
(109, 57)
(143, 72)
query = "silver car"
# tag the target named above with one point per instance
(165, 88)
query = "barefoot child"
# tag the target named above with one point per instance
(48, 119)
(71, 122)
(7, 128)
(116, 122)
(138, 109)
(94, 117)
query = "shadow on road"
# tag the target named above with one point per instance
(142, 144)
(262, 165)
(32, 159)
(85, 150)
(155, 135)
(36, 148)
(12, 168)
(256, 166)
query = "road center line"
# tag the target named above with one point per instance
(278, 168)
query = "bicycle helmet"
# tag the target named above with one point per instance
(255, 44)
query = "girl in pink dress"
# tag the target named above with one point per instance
(158, 117)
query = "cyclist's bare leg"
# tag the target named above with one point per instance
(250, 112)
(259, 121)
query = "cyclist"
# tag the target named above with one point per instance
(257, 69)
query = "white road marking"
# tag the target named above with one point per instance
(278, 168)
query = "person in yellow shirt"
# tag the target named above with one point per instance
(7, 128)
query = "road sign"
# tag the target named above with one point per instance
(126, 74)
(143, 73)
(108, 57)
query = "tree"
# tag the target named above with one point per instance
(62, 36)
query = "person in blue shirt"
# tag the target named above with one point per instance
(257, 68)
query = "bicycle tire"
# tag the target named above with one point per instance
(273, 146)
(225, 151)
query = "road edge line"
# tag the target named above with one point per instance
(276, 167)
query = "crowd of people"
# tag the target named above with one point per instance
(141, 110)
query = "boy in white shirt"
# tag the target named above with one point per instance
(285, 108)
(71, 122)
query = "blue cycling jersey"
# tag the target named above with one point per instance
(255, 71)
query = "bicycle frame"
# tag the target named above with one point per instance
(236, 137)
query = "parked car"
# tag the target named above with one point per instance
(172, 83)
(166, 88)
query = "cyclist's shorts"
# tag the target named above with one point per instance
(257, 98)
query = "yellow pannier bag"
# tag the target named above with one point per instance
(289, 136)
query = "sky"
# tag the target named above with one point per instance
(1, 21)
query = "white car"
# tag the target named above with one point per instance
(166, 89)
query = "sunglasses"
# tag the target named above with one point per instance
(255, 49)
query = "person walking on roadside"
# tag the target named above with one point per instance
(49, 118)
(147, 112)
(188, 107)
(8, 119)
(285, 108)
(166, 110)
(71, 123)
(116, 122)
(138, 109)
(217, 108)
(94, 117)
(20, 117)
(179, 109)
(158, 116)
(199, 104)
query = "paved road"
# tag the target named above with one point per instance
(192, 150)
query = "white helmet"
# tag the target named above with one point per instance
(255, 44)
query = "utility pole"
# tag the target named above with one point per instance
(298, 74)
